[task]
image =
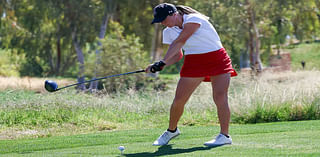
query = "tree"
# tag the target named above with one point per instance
(280, 19)
(156, 49)
(254, 37)
(109, 10)
(53, 34)
(36, 24)
(305, 20)
(119, 54)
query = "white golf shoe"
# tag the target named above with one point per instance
(219, 141)
(165, 138)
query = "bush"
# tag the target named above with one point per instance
(120, 54)
(10, 63)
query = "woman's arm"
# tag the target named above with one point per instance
(175, 58)
(174, 52)
(176, 45)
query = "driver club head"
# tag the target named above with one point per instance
(50, 86)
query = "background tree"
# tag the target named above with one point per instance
(254, 43)
(57, 38)
(305, 20)
(120, 53)
(108, 12)
(280, 20)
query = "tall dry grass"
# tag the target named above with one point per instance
(265, 98)
(280, 95)
(271, 96)
(27, 83)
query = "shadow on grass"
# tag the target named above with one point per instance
(167, 150)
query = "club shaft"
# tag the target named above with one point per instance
(138, 71)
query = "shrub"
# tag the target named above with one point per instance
(10, 63)
(120, 54)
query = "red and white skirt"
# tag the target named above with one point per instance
(207, 64)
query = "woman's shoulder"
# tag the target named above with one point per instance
(193, 16)
(171, 29)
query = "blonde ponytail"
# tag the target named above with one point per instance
(188, 10)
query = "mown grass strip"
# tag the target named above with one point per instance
(299, 138)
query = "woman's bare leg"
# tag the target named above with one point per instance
(185, 88)
(220, 85)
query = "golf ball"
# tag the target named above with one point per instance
(121, 148)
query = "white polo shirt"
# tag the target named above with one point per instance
(205, 39)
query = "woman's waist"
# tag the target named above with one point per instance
(206, 53)
(213, 56)
(201, 50)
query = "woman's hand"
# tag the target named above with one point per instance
(148, 69)
(157, 66)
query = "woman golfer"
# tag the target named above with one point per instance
(205, 60)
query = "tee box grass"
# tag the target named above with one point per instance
(298, 138)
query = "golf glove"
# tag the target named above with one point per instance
(157, 66)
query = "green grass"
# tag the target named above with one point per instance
(310, 53)
(269, 98)
(57, 124)
(27, 114)
(266, 139)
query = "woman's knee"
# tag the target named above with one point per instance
(179, 101)
(220, 97)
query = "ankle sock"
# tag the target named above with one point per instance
(226, 135)
(172, 131)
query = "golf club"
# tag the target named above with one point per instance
(52, 86)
